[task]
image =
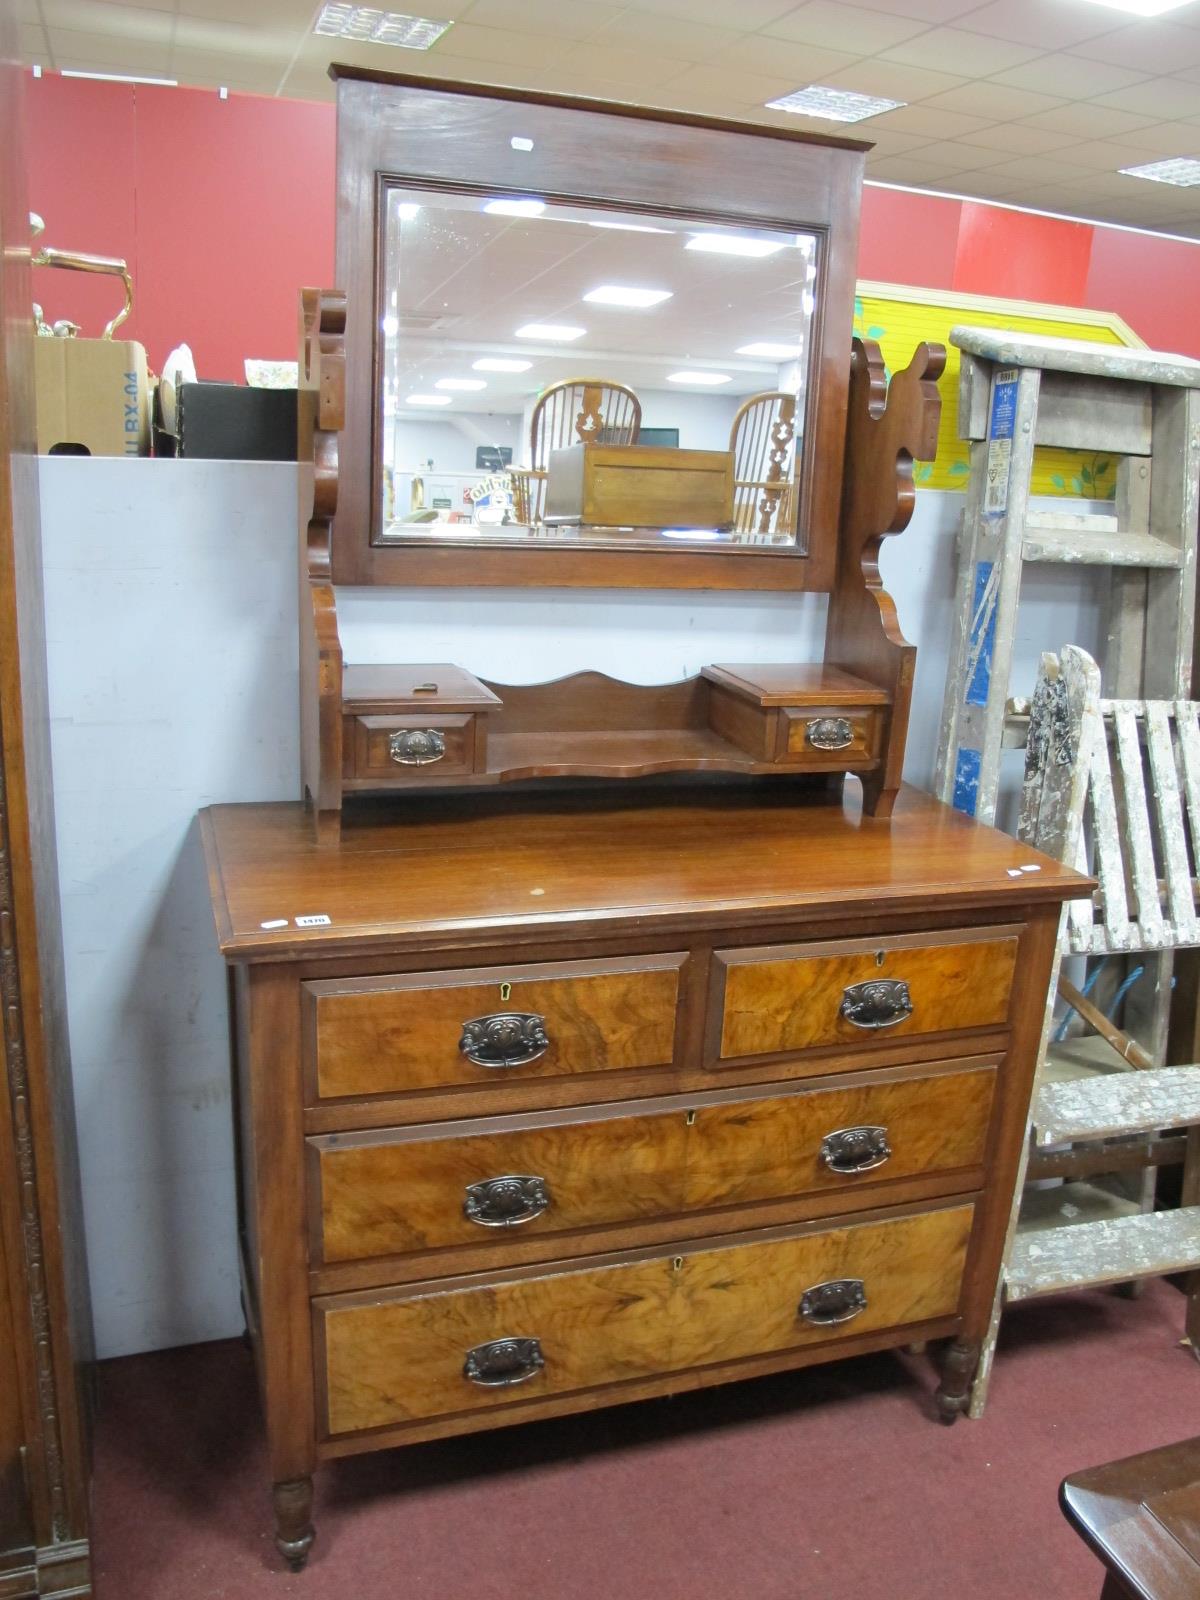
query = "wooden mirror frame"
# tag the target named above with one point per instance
(397, 128)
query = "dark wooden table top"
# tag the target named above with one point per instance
(415, 868)
(1142, 1518)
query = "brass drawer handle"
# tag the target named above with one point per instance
(503, 1362)
(506, 1202)
(506, 1039)
(878, 1003)
(839, 1300)
(416, 747)
(829, 733)
(858, 1149)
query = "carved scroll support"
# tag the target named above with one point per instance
(888, 427)
(322, 410)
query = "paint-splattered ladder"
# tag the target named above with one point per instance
(1140, 407)
(1113, 786)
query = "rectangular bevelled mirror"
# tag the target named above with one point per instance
(588, 345)
(558, 372)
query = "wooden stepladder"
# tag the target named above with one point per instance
(1115, 783)
(1142, 409)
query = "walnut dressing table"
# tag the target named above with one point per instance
(556, 1097)
(550, 1104)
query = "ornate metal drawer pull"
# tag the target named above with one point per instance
(855, 1149)
(506, 1202)
(878, 1003)
(839, 1300)
(507, 1039)
(416, 747)
(503, 1362)
(830, 733)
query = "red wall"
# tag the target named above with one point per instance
(224, 209)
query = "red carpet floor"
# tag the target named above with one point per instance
(829, 1484)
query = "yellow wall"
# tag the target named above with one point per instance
(898, 325)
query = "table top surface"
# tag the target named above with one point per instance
(1141, 1516)
(410, 869)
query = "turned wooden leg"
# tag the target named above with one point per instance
(294, 1531)
(958, 1370)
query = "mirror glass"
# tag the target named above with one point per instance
(563, 373)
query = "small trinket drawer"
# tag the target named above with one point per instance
(569, 1105)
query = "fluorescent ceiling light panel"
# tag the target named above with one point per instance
(1141, 8)
(708, 379)
(835, 105)
(466, 384)
(768, 351)
(501, 364)
(122, 77)
(427, 400)
(552, 332)
(515, 208)
(628, 227)
(1182, 171)
(379, 27)
(735, 244)
(622, 294)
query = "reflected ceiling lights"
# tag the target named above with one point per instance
(735, 244)
(835, 105)
(620, 294)
(554, 332)
(427, 400)
(767, 351)
(501, 364)
(629, 227)
(515, 208)
(708, 379)
(406, 210)
(379, 27)
(1183, 171)
(466, 384)
(1141, 8)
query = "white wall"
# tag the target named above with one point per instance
(451, 442)
(170, 592)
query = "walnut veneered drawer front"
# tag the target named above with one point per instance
(399, 1356)
(438, 1030)
(403, 1190)
(777, 1000)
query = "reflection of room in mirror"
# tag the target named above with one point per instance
(567, 373)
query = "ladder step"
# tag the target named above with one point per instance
(1065, 540)
(1112, 1250)
(1104, 1107)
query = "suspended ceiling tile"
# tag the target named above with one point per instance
(1065, 74)
(956, 50)
(294, 15)
(889, 78)
(739, 88)
(33, 44)
(750, 14)
(886, 143)
(1040, 170)
(126, 22)
(924, 119)
(912, 169)
(637, 71)
(578, 19)
(926, 10)
(844, 27)
(237, 41)
(1152, 46)
(987, 186)
(995, 100)
(1164, 139)
(803, 63)
(1054, 26)
(201, 69)
(1087, 121)
(699, 41)
(106, 52)
(1164, 98)
(944, 154)
(1019, 139)
(510, 49)
(1105, 156)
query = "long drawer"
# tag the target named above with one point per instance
(395, 1191)
(438, 1030)
(779, 1000)
(414, 1354)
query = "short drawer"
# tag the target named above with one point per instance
(434, 1030)
(398, 1191)
(412, 748)
(405, 1355)
(775, 1000)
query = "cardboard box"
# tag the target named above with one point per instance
(93, 397)
(233, 422)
